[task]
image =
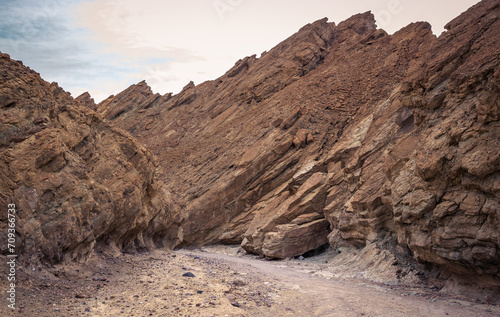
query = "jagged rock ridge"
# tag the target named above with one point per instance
(86, 100)
(341, 133)
(78, 183)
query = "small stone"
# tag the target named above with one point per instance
(87, 310)
(188, 274)
(310, 138)
(239, 282)
(235, 304)
(199, 291)
(80, 295)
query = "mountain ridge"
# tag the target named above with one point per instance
(306, 156)
(385, 147)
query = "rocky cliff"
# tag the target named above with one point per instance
(78, 182)
(226, 145)
(86, 100)
(341, 134)
(386, 147)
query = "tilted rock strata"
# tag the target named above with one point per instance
(341, 134)
(393, 139)
(77, 182)
(86, 100)
(227, 144)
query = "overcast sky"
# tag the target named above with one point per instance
(103, 46)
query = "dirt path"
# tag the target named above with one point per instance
(303, 292)
(217, 281)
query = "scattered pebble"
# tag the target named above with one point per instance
(223, 290)
(80, 295)
(239, 282)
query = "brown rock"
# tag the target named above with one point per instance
(310, 138)
(67, 180)
(300, 139)
(396, 129)
(133, 99)
(86, 100)
(405, 153)
(292, 239)
(284, 145)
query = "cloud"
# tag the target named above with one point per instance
(44, 36)
(103, 46)
(202, 39)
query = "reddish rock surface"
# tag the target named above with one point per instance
(78, 183)
(340, 134)
(86, 100)
(390, 138)
(229, 146)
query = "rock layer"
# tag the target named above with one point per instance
(77, 181)
(392, 139)
(86, 100)
(341, 134)
(231, 146)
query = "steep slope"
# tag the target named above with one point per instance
(78, 183)
(226, 144)
(86, 100)
(341, 134)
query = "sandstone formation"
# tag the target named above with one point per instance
(86, 100)
(232, 146)
(341, 134)
(78, 183)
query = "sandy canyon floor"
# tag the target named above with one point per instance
(220, 281)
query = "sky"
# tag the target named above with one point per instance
(104, 46)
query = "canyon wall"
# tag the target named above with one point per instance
(341, 135)
(78, 182)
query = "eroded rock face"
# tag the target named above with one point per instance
(427, 167)
(340, 134)
(240, 150)
(86, 100)
(386, 137)
(78, 182)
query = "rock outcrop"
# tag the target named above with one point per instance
(78, 182)
(86, 100)
(239, 150)
(341, 133)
